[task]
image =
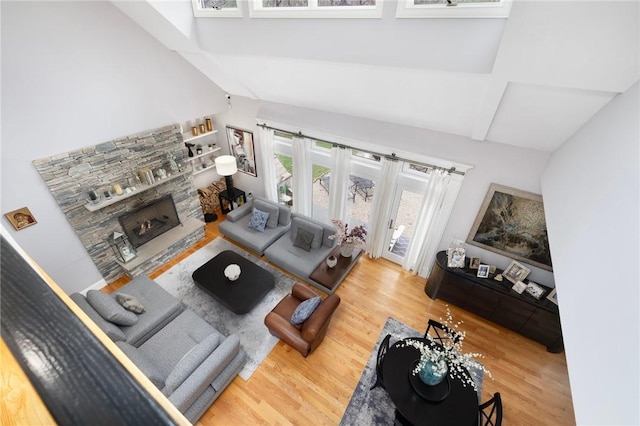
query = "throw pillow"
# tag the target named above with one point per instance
(304, 310)
(109, 309)
(258, 219)
(274, 212)
(130, 303)
(303, 240)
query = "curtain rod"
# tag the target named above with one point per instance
(391, 156)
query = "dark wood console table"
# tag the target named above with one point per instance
(538, 320)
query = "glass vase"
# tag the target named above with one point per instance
(433, 372)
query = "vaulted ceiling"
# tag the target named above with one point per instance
(530, 80)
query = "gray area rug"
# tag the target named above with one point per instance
(254, 335)
(374, 407)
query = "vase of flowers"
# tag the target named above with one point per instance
(437, 359)
(348, 240)
(433, 371)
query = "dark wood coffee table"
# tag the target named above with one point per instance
(331, 278)
(241, 295)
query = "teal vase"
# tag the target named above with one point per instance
(433, 372)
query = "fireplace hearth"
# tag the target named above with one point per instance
(150, 221)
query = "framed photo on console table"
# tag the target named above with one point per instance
(516, 272)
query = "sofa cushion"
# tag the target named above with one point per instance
(109, 328)
(145, 365)
(304, 239)
(285, 216)
(109, 309)
(316, 230)
(273, 210)
(258, 220)
(305, 309)
(190, 361)
(130, 303)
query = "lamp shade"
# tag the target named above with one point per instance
(226, 165)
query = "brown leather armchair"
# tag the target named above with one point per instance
(307, 336)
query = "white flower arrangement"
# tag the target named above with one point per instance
(357, 236)
(450, 352)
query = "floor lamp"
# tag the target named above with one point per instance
(226, 166)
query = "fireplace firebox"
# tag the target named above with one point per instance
(149, 221)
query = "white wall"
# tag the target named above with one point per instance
(76, 74)
(492, 162)
(591, 193)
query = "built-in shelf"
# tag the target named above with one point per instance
(140, 188)
(197, 168)
(156, 246)
(204, 154)
(198, 171)
(200, 136)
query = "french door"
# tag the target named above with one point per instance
(404, 213)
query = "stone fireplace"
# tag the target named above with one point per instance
(71, 175)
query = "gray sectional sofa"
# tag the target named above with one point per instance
(300, 262)
(184, 356)
(236, 225)
(278, 241)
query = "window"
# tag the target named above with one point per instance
(453, 8)
(216, 9)
(315, 8)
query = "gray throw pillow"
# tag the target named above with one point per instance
(304, 310)
(303, 240)
(258, 219)
(130, 303)
(109, 309)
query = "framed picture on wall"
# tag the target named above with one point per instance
(21, 218)
(242, 148)
(511, 222)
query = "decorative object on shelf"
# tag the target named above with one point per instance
(535, 290)
(117, 188)
(189, 146)
(449, 352)
(209, 125)
(202, 129)
(232, 272)
(498, 277)
(198, 149)
(122, 247)
(226, 166)
(173, 166)
(348, 241)
(519, 287)
(211, 146)
(146, 176)
(332, 261)
(194, 131)
(21, 218)
(161, 173)
(241, 148)
(511, 222)
(483, 271)
(93, 197)
(492, 269)
(106, 193)
(553, 296)
(516, 272)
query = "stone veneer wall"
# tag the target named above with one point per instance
(69, 176)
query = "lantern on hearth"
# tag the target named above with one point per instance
(122, 247)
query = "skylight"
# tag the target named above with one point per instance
(453, 8)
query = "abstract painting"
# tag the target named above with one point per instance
(511, 222)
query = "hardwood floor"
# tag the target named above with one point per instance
(288, 389)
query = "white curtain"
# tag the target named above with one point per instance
(268, 165)
(381, 209)
(339, 182)
(302, 190)
(428, 224)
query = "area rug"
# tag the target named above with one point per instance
(374, 407)
(254, 336)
